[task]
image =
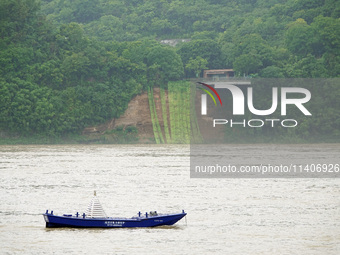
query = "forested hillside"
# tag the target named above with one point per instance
(54, 80)
(270, 38)
(65, 65)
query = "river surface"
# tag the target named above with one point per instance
(225, 216)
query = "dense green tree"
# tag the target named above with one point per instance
(196, 65)
(56, 80)
(204, 48)
(161, 63)
(82, 63)
(70, 37)
(247, 64)
(164, 65)
(298, 37)
(272, 72)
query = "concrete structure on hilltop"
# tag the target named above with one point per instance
(174, 42)
(216, 74)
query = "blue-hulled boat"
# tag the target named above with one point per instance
(95, 217)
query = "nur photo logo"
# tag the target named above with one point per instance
(204, 97)
(243, 100)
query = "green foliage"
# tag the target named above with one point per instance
(248, 36)
(121, 135)
(196, 65)
(56, 80)
(182, 126)
(247, 64)
(180, 103)
(70, 64)
(298, 37)
(207, 49)
(154, 118)
(165, 114)
(161, 63)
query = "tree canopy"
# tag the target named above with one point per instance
(251, 36)
(68, 64)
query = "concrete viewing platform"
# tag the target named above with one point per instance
(221, 82)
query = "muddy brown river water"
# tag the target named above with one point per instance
(225, 216)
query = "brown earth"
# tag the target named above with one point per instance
(138, 114)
